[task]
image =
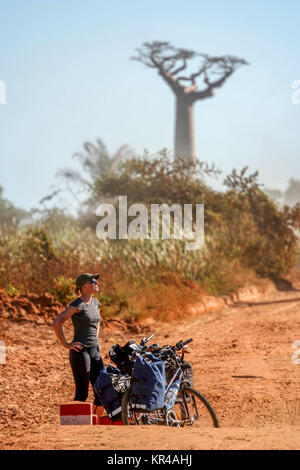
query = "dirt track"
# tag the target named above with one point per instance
(242, 358)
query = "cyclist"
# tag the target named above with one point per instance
(84, 349)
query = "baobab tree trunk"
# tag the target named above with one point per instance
(184, 126)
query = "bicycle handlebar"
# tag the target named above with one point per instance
(144, 341)
(149, 337)
(181, 344)
(164, 350)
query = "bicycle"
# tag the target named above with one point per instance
(191, 408)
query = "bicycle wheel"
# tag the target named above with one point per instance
(193, 409)
(137, 417)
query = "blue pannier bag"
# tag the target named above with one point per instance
(148, 383)
(109, 397)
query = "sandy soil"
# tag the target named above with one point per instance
(242, 359)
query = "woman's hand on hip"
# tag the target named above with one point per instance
(75, 345)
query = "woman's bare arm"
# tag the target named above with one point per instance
(57, 325)
(98, 327)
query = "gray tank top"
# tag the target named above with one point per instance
(86, 322)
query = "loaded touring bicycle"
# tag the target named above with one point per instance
(153, 385)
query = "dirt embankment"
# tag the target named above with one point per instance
(42, 309)
(242, 360)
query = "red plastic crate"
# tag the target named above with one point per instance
(76, 414)
(104, 420)
(82, 413)
(95, 419)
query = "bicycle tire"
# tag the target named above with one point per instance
(124, 412)
(193, 408)
(130, 416)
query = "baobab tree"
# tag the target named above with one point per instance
(171, 63)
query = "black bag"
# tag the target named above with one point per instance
(121, 356)
(109, 397)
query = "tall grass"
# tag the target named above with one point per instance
(246, 234)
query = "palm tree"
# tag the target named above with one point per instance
(96, 162)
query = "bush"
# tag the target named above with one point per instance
(245, 232)
(243, 227)
(63, 289)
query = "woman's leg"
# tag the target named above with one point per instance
(81, 366)
(96, 366)
(96, 363)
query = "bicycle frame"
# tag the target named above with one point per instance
(173, 378)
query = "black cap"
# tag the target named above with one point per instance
(84, 278)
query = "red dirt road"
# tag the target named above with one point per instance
(242, 359)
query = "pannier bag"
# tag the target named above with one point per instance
(109, 397)
(148, 383)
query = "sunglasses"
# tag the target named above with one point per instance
(93, 281)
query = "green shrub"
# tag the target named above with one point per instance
(63, 289)
(244, 231)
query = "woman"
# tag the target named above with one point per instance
(84, 354)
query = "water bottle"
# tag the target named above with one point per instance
(172, 394)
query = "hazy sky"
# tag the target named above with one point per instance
(68, 79)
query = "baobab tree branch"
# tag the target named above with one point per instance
(209, 91)
(193, 76)
(169, 79)
(197, 74)
(166, 72)
(173, 62)
(157, 55)
(219, 82)
(179, 69)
